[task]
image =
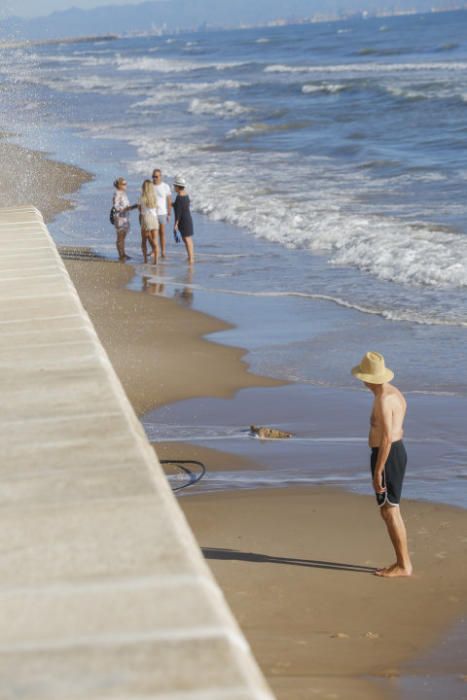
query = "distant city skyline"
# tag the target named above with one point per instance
(31, 8)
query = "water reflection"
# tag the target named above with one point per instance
(182, 290)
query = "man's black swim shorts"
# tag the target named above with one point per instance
(393, 475)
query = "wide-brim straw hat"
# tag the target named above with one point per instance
(179, 181)
(372, 369)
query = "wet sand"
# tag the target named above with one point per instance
(296, 567)
(295, 564)
(29, 177)
(156, 346)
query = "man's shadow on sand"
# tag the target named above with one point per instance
(235, 555)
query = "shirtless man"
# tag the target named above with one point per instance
(388, 456)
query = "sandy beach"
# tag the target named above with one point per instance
(296, 564)
(30, 177)
(296, 567)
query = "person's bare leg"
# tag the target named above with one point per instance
(121, 234)
(144, 247)
(162, 239)
(153, 242)
(188, 241)
(398, 535)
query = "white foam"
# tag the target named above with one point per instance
(169, 93)
(159, 65)
(435, 91)
(226, 109)
(330, 88)
(369, 67)
(249, 130)
(320, 219)
(165, 65)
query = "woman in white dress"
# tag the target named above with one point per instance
(149, 220)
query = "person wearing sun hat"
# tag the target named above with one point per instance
(183, 221)
(388, 455)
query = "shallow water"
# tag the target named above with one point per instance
(327, 167)
(330, 439)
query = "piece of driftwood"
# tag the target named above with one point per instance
(269, 433)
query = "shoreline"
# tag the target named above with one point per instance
(148, 340)
(43, 182)
(272, 523)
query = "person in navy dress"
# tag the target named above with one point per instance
(183, 221)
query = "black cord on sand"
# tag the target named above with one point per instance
(193, 477)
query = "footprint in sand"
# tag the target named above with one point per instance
(441, 555)
(372, 635)
(340, 635)
(422, 531)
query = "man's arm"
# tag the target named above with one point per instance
(385, 411)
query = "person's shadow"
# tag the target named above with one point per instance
(235, 555)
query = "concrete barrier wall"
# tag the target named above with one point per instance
(103, 590)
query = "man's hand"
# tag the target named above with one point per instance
(378, 483)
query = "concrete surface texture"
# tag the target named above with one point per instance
(104, 593)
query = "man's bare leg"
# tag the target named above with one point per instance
(398, 535)
(162, 239)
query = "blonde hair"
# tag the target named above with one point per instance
(119, 181)
(148, 197)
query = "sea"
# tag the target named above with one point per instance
(327, 169)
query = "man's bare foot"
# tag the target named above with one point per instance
(394, 571)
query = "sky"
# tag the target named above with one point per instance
(34, 8)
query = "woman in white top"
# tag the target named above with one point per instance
(122, 208)
(149, 220)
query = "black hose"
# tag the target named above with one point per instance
(193, 477)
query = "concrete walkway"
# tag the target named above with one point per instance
(103, 591)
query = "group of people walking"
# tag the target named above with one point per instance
(155, 207)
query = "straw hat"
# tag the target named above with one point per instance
(372, 369)
(179, 181)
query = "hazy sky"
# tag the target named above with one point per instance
(33, 8)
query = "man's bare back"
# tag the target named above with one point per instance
(389, 402)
